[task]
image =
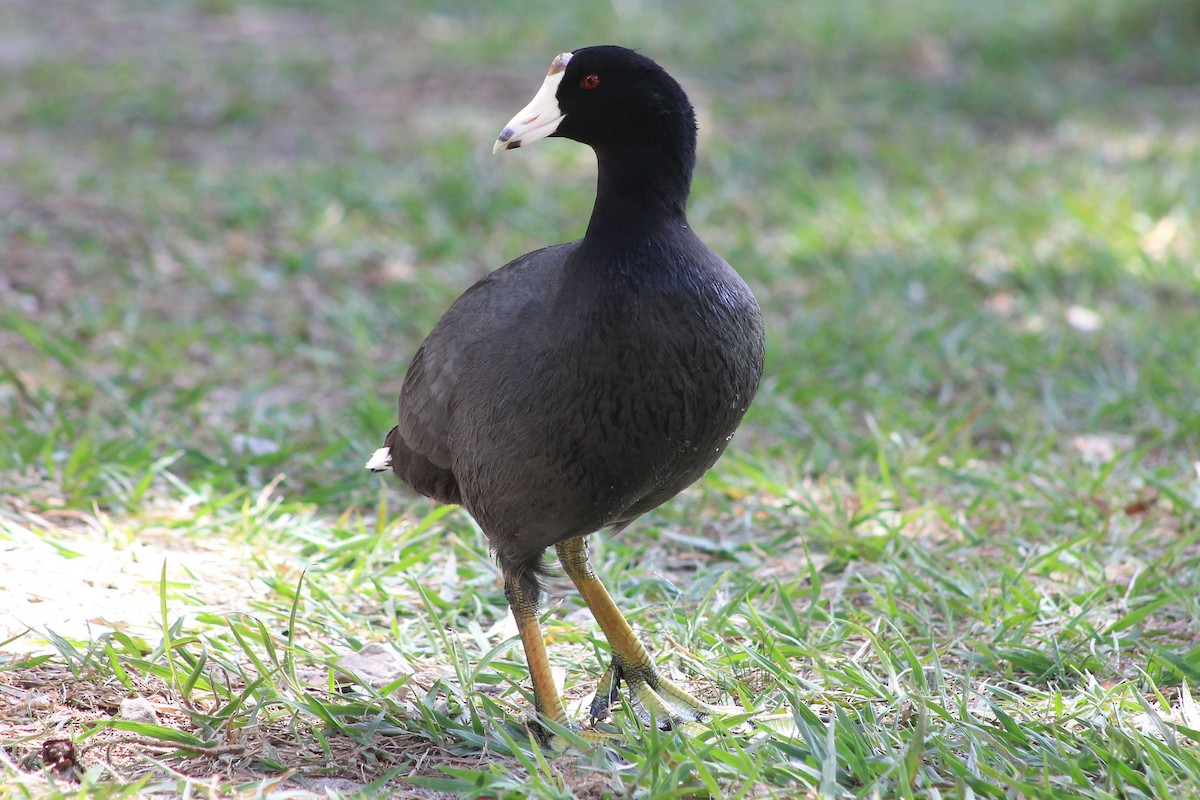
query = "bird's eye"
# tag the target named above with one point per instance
(590, 81)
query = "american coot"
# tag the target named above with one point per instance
(584, 384)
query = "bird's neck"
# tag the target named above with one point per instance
(640, 190)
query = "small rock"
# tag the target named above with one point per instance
(376, 665)
(138, 709)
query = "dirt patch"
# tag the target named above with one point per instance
(91, 575)
(78, 575)
(50, 703)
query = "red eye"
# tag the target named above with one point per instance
(590, 81)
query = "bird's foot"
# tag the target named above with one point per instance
(666, 705)
(562, 735)
(656, 700)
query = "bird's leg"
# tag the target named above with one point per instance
(523, 600)
(665, 703)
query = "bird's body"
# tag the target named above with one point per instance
(586, 383)
(555, 397)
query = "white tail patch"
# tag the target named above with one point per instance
(380, 460)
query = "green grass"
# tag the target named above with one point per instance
(957, 538)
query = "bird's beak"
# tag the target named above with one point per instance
(541, 117)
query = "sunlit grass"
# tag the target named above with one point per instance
(956, 539)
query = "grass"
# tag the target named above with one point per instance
(957, 537)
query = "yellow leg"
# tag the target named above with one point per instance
(661, 701)
(546, 699)
(524, 609)
(656, 700)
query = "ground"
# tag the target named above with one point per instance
(956, 538)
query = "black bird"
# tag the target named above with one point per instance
(584, 384)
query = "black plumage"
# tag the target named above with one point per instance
(583, 384)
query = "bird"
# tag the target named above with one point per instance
(583, 384)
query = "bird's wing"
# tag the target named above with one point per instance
(425, 398)
(491, 305)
